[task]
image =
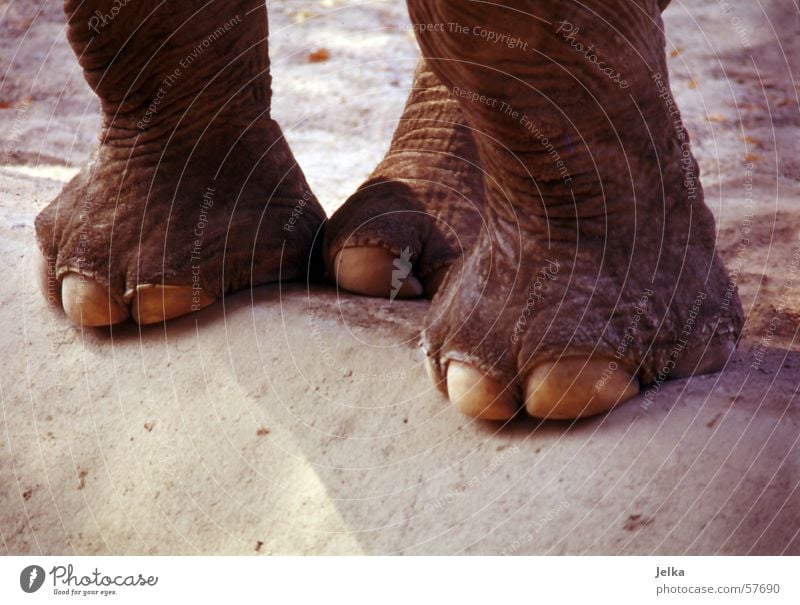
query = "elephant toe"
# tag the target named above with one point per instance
(476, 394)
(154, 303)
(374, 271)
(89, 304)
(577, 387)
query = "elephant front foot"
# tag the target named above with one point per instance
(420, 209)
(193, 191)
(568, 330)
(135, 239)
(596, 275)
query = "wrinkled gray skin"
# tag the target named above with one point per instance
(141, 211)
(566, 261)
(574, 221)
(426, 196)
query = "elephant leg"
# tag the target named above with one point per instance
(597, 274)
(420, 208)
(193, 191)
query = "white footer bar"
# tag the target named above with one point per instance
(398, 580)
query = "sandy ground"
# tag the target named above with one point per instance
(291, 420)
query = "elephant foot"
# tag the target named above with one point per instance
(566, 330)
(135, 239)
(595, 277)
(193, 191)
(398, 234)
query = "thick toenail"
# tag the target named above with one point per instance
(475, 394)
(87, 303)
(574, 387)
(154, 303)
